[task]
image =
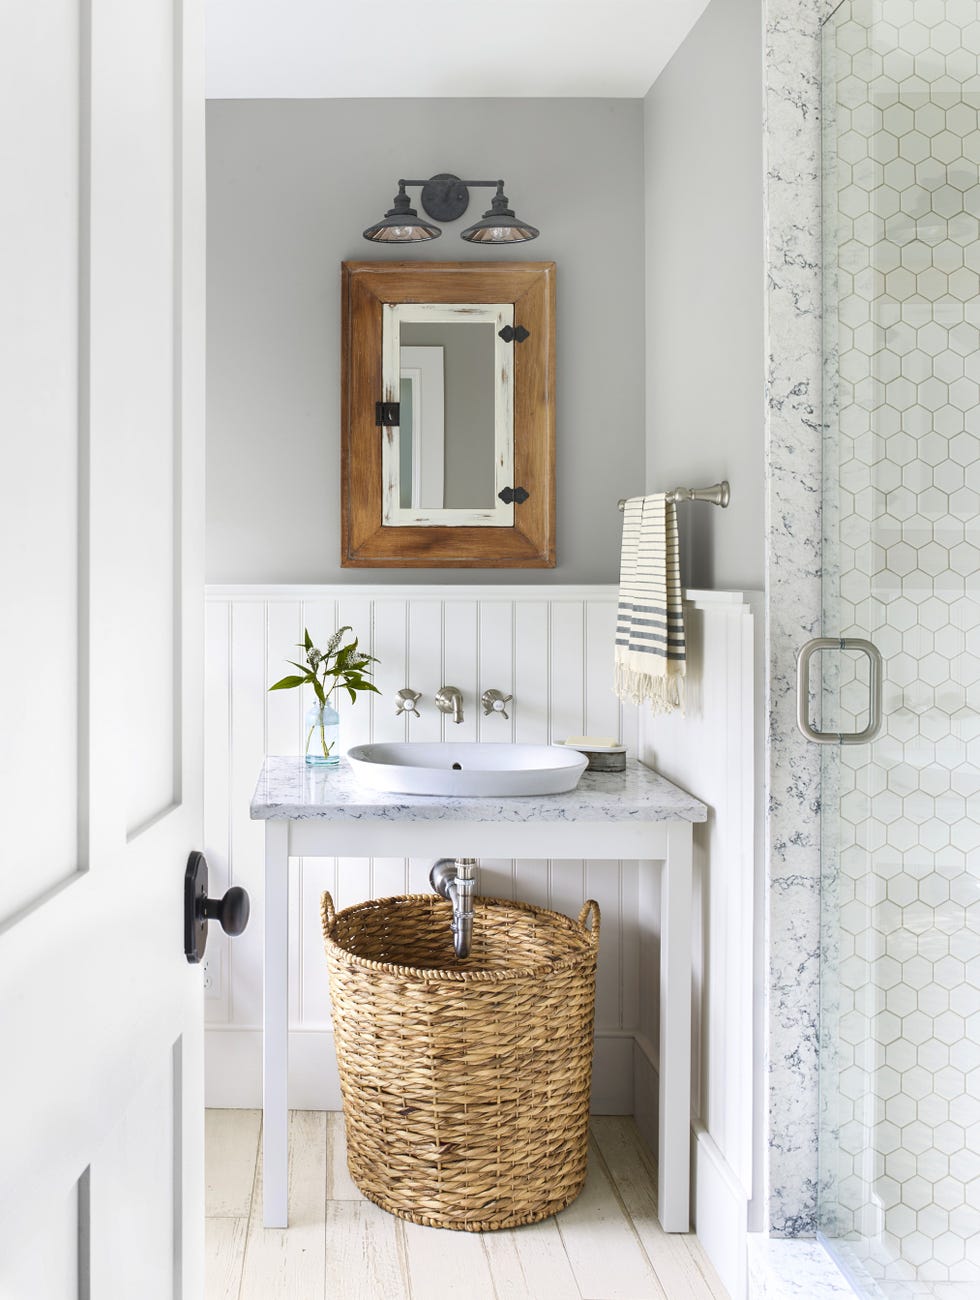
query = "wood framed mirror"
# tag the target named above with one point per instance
(448, 415)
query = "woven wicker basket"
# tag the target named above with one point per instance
(465, 1081)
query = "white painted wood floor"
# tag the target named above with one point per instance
(607, 1245)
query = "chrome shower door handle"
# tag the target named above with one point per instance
(803, 690)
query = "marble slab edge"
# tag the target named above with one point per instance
(288, 788)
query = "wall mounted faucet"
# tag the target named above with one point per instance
(495, 702)
(449, 699)
(406, 701)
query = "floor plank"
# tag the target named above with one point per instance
(446, 1265)
(678, 1260)
(530, 1263)
(289, 1263)
(364, 1254)
(224, 1257)
(605, 1254)
(608, 1245)
(340, 1185)
(231, 1145)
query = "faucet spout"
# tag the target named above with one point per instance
(449, 699)
(455, 880)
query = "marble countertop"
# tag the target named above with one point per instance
(290, 788)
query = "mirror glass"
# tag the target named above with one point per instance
(452, 450)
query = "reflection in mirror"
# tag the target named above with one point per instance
(466, 411)
(452, 452)
(421, 435)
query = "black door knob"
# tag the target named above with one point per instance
(231, 911)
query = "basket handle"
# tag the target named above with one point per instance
(328, 913)
(591, 907)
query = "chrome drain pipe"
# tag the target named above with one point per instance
(455, 880)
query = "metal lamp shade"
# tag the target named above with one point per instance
(397, 232)
(402, 225)
(499, 230)
(499, 225)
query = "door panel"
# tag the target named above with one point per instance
(40, 269)
(133, 1237)
(47, 1265)
(136, 255)
(100, 1014)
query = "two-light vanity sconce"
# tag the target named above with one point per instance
(445, 198)
(449, 699)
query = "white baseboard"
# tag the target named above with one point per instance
(719, 1204)
(233, 1070)
(720, 1211)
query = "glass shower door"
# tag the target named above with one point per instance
(899, 1193)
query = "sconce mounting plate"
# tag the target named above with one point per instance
(445, 197)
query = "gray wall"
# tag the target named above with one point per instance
(291, 185)
(704, 283)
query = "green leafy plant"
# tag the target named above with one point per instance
(325, 670)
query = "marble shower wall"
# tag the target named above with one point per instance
(793, 530)
(900, 1144)
(795, 432)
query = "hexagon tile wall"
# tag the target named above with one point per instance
(900, 1031)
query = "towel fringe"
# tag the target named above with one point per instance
(664, 694)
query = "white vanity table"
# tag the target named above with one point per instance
(635, 814)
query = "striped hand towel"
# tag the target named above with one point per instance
(650, 651)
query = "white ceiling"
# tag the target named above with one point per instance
(299, 49)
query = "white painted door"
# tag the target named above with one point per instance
(101, 579)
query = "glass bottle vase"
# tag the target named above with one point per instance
(322, 726)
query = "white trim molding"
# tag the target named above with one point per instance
(717, 751)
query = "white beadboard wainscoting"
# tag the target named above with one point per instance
(550, 646)
(716, 751)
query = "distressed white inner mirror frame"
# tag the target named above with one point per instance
(499, 315)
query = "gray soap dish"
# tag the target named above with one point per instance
(605, 758)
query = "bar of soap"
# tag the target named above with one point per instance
(592, 742)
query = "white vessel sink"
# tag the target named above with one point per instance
(461, 768)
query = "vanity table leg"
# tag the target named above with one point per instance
(275, 1025)
(674, 1166)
